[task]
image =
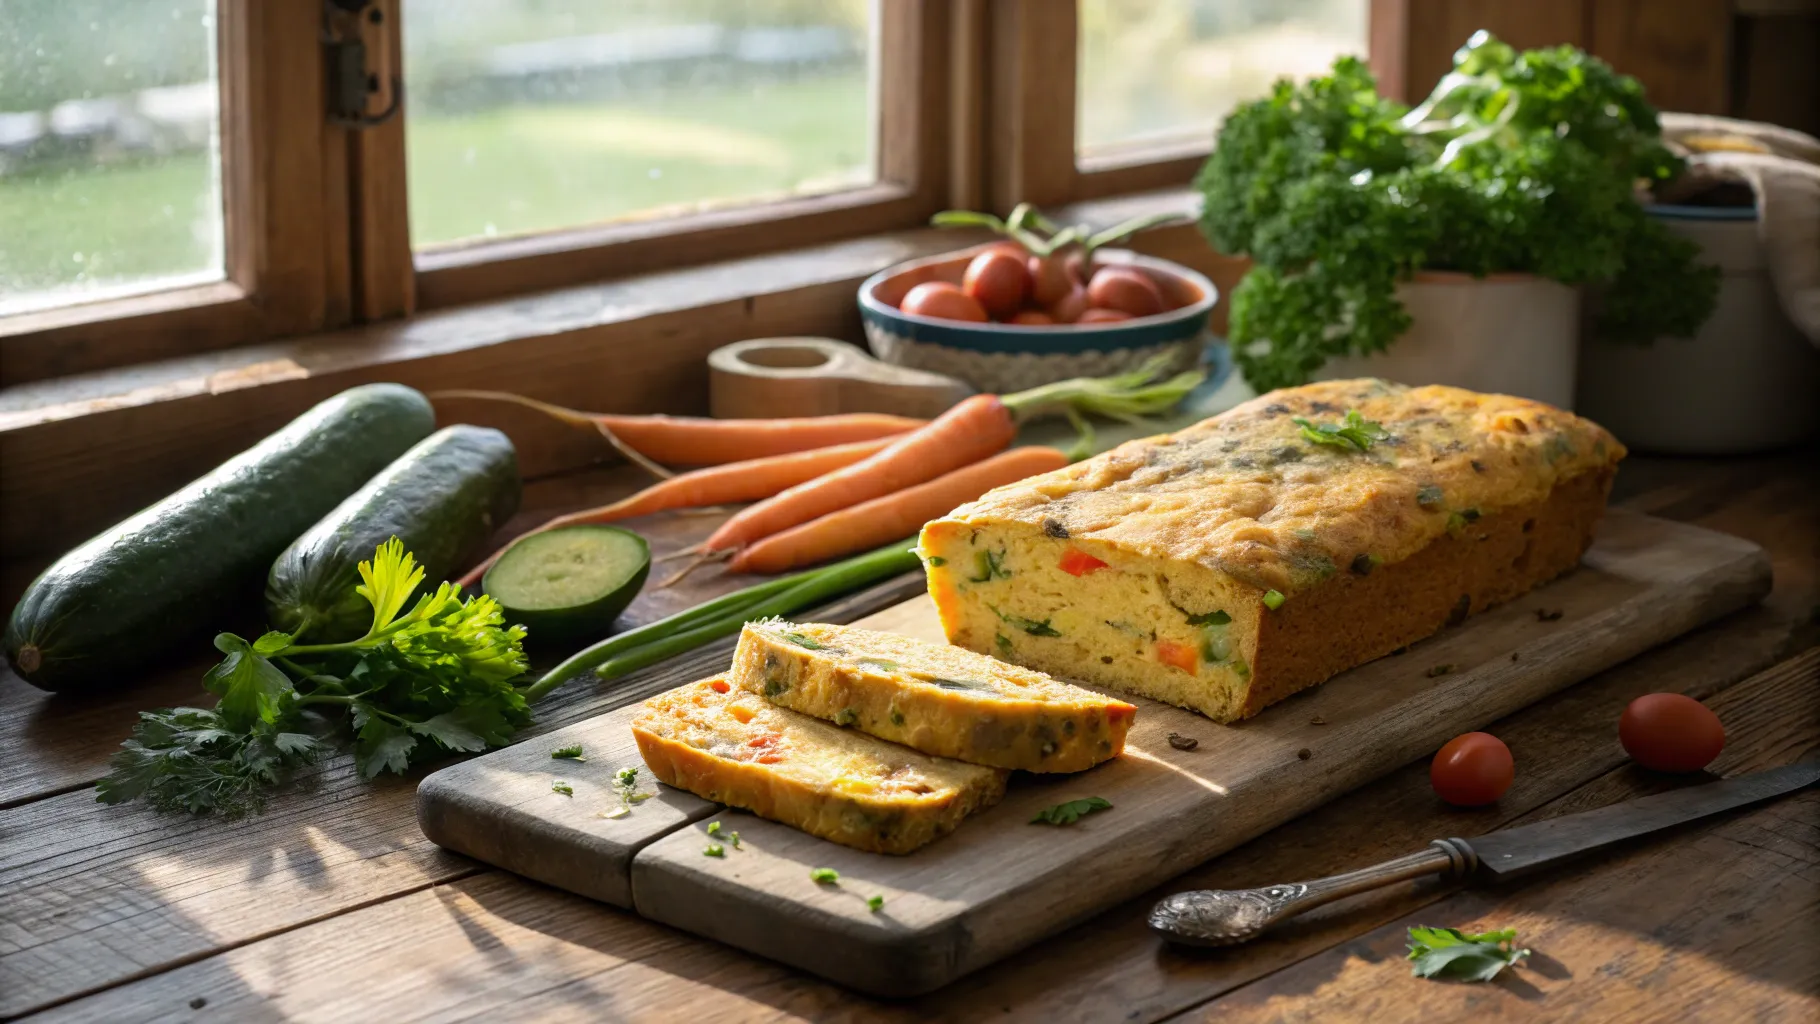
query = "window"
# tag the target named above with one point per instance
(172, 180)
(1164, 73)
(110, 150)
(532, 116)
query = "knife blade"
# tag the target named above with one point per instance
(1515, 852)
(1223, 917)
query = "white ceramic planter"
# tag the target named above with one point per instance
(1749, 381)
(1508, 334)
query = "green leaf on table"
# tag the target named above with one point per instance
(251, 688)
(1450, 953)
(1070, 812)
(451, 729)
(182, 759)
(381, 746)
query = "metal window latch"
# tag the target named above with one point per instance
(349, 82)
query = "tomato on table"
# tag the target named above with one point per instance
(1472, 770)
(1670, 732)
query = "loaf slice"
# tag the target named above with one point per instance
(1262, 551)
(937, 698)
(732, 747)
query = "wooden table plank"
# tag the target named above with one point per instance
(493, 940)
(95, 895)
(337, 830)
(1716, 923)
(1112, 966)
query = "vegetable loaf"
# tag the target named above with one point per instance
(1260, 552)
(938, 699)
(724, 744)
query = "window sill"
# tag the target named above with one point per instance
(81, 451)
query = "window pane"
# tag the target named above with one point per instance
(109, 149)
(1153, 72)
(531, 115)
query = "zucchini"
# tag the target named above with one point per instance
(569, 582)
(442, 498)
(192, 563)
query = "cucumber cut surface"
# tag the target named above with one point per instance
(569, 582)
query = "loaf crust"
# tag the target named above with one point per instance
(726, 745)
(936, 698)
(1233, 563)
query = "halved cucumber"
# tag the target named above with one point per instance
(569, 582)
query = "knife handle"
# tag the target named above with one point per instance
(1227, 917)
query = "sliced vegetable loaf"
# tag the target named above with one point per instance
(726, 745)
(1264, 550)
(936, 698)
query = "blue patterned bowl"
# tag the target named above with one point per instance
(1001, 358)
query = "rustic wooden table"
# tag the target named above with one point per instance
(333, 906)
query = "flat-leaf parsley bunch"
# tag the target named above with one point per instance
(1518, 162)
(432, 680)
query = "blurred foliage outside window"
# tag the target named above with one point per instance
(534, 115)
(109, 149)
(1154, 72)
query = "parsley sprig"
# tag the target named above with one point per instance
(1450, 953)
(423, 682)
(1070, 812)
(1355, 432)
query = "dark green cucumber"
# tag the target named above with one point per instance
(192, 563)
(442, 499)
(569, 582)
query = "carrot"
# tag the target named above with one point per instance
(870, 524)
(715, 485)
(702, 441)
(968, 432)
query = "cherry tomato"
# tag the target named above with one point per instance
(1049, 280)
(1032, 318)
(943, 301)
(1472, 770)
(998, 281)
(1668, 732)
(1102, 316)
(1121, 288)
(1071, 306)
(1079, 267)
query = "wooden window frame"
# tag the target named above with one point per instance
(279, 161)
(913, 183)
(1035, 59)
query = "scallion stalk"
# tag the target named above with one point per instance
(685, 631)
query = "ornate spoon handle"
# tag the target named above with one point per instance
(1227, 917)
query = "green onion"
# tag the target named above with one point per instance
(685, 631)
(824, 876)
(1273, 599)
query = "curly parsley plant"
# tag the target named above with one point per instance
(1518, 162)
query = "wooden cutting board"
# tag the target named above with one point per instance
(1000, 883)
